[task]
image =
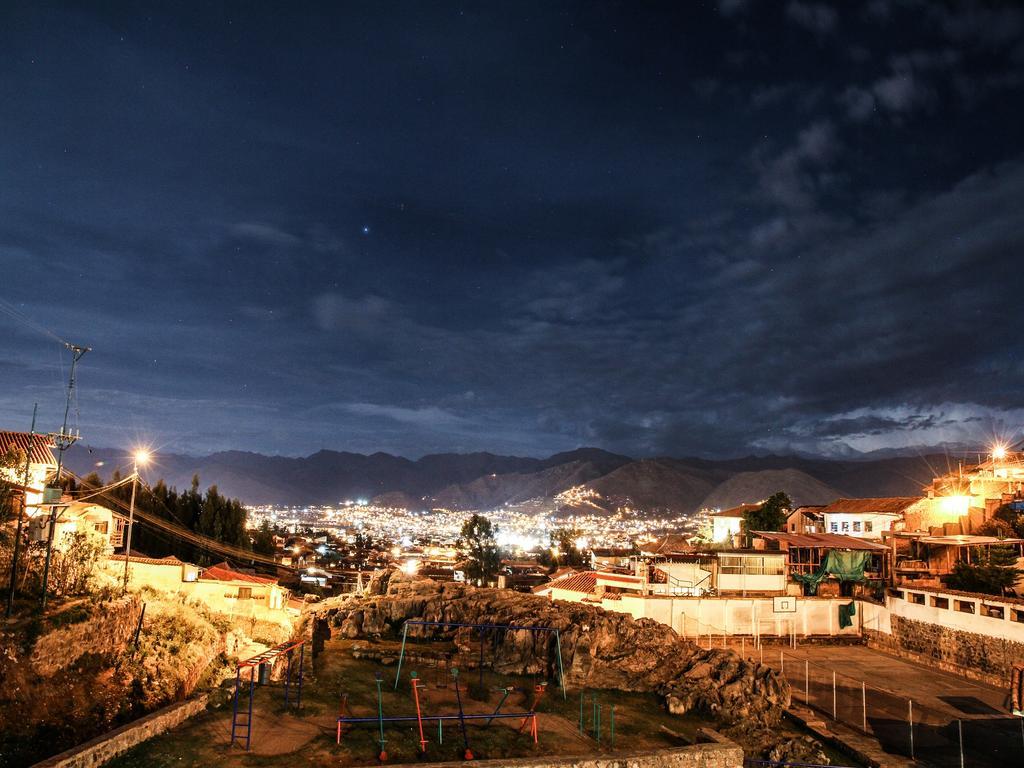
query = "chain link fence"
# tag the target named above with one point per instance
(987, 739)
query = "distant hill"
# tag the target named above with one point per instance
(486, 480)
(750, 487)
(654, 484)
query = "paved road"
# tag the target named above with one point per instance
(872, 693)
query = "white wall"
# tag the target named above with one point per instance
(723, 528)
(879, 523)
(693, 617)
(950, 617)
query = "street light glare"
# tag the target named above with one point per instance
(142, 456)
(998, 452)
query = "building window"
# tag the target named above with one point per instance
(835, 527)
(915, 597)
(964, 606)
(940, 602)
(992, 611)
(867, 526)
(244, 593)
(751, 566)
(856, 526)
(846, 526)
(1017, 615)
(101, 527)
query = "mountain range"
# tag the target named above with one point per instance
(586, 477)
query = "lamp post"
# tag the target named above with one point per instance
(140, 457)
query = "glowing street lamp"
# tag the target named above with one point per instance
(142, 456)
(998, 452)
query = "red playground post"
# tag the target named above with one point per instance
(538, 694)
(419, 714)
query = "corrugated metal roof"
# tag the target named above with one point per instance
(37, 446)
(821, 541)
(963, 540)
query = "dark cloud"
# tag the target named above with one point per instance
(426, 227)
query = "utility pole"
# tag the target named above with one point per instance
(139, 457)
(21, 514)
(64, 440)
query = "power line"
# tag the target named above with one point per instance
(180, 531)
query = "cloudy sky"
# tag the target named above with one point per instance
(681, 228)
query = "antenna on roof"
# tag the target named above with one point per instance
(63, 440)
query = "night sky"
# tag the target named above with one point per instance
(683, 228)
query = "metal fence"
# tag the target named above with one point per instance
(985, 737)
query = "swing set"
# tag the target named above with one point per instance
(529, 718)
(497, 632)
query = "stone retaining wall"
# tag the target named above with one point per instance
(107, 629)
(975, 656)
(719, 753)
(104, 748)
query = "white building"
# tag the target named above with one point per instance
(865, 518)
(729, 522)
(80, 517)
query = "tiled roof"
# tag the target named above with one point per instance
(222, 572)
(892, 505)
(622, 577)
(739, 511)
(821, 541)
(169, 560)
(37, 446)
(577, 582)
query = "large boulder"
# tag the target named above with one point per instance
(600, 649)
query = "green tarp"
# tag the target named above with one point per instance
(843, 564)
(846, 614)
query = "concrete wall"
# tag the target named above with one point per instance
(693, 616)
(104, 748)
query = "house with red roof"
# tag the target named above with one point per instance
(227, 590)
(220, 587)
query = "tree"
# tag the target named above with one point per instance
(263, 540)
(770, 516)
(478, 537)
(1011, 517)
(564, 549)
(994, 573)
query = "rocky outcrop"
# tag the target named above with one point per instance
(599, 649)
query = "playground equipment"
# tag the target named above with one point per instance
(597, 709)
(529, 718)
(241, 722)
(482, 630)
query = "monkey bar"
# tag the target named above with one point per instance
(482, 628)
(241, 722)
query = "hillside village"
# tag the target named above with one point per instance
(875, 569)
(895, 541)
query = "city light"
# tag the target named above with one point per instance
(998, 452)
